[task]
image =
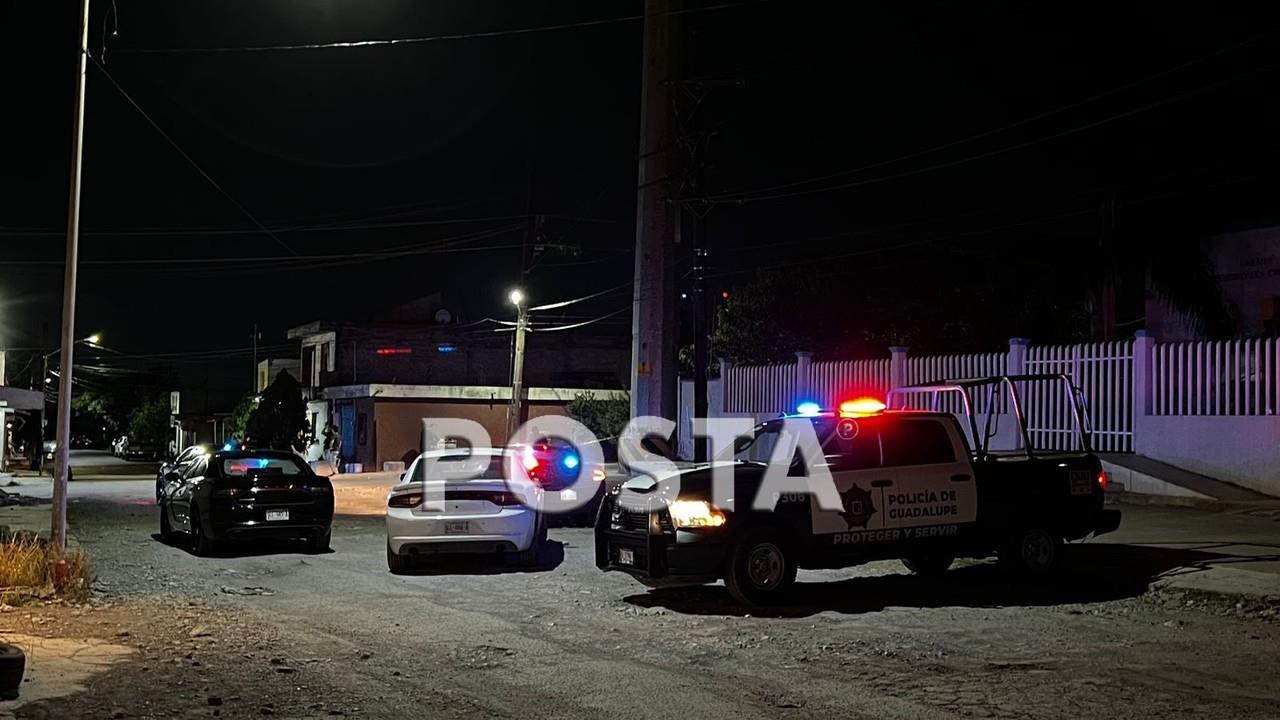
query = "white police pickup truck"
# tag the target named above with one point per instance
(911, 485)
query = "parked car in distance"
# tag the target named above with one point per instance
(246, 494)
(459, 501)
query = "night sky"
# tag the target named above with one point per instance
(855, 142)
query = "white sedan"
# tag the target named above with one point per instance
(458, 501)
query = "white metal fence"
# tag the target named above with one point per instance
(1104, 374)
(760, 389)
(835, 381)
(1201, 378)
(1234, 377)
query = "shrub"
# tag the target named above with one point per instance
(31, 567)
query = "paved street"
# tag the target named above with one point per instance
(299, 635)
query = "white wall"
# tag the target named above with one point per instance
(1238, 449)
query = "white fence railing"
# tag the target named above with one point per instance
(1104, 374)
(1202, 378)
(1234, 377)
(835, 381)
(760, 389)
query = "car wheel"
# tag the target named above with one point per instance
(529, 557)
(201, 544)
(166, 529)
(1034, 551)
(396, 562)
(319, 542)
(761, 568)
(13, 663)
(928, 564)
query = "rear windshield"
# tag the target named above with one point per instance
(242, 466)
(459, 466)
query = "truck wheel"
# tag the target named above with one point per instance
(13, 662)
(398, 564)
(761, 568)
(319, 543)
(1034, 551)
(928, 564)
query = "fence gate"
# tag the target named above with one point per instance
(1104, 374)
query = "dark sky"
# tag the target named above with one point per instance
(894, 136)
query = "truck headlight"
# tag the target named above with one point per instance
(695, 513)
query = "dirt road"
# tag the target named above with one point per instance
(273, 631)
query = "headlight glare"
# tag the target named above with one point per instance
(695, 513)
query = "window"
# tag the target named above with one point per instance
(196, 468)
(916, 442)
(459, 466)
(860, 452)
(245, 466)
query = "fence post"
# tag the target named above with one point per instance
(803, 381)
(1016, 364)
(1144, 344)
(726, 367)
(898, 366)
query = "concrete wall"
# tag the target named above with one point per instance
(1238, 449)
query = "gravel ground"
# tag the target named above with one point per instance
(273, 631)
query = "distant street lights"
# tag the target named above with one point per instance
(517, 298)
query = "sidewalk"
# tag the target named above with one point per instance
(1231, 549)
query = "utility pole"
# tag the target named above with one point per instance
(700, 342)
(653, 313)
(517, 363)
(255, 359)
(62, 458)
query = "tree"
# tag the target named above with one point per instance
(238, 424)
(149, 423)
(605, 417)
(280, 418)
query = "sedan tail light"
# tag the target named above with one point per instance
(408, 500)
(1102, 479)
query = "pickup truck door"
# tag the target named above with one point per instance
(897, 477)
(928, 478)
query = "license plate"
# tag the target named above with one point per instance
(456, 527)
(1081, 482)
(277, 515)
(626, 557)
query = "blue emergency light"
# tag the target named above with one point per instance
(808, 409)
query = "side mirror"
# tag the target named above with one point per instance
(324, 468)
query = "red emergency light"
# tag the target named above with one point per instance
(393, 351)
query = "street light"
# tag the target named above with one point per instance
(517, 364)
(91, 341)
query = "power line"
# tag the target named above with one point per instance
(188, 158)
(566, 303)
(439, 38)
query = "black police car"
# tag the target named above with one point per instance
(246, 494)
(909, 484)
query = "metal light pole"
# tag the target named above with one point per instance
(517, 363)
(58, 529)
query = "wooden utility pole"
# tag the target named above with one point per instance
(62, 457)
(654, 377)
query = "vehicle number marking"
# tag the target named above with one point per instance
(456, 527)
(277, 515)
(626, 556)
(1081, 482)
